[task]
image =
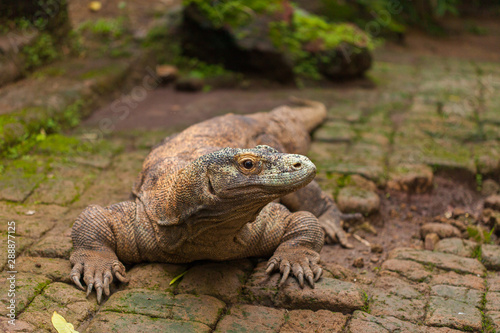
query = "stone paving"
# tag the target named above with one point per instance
(420, 120)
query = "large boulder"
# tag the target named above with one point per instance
(273, 39)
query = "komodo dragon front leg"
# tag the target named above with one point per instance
(312, 199)
(295, 238)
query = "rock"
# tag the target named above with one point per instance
(455, 279)
(391, 283)
(490, 187)
(493, 202)
(189, 84)
(215, 279)
(131, 323)
(167, 73)
(202, 308)
(409, 269)
(458, 246)
(411, 178)
(470, 296)
(154, 276)
(27, 287)
(359, 262)
(356, 200)
(251, 318)
(54, 269)
(430, 241)
(386, 304)
(442, 230)
(492, 301)
(262, 288)
(452, 313)
(308, 321)
(328, 294)
(490, 255)
(491, 218)
(376, 248)
(258, 43)
(66, 299)
(444, 261)
(364, 322)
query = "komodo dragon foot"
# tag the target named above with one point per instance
(98, 268)
(299, 260)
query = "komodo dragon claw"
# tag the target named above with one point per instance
(299, 261)
(98, 271)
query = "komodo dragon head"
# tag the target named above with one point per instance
(232, 183)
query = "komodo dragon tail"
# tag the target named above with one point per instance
(309, 114)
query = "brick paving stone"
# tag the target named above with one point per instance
(364, 322)
(458, 246)
(490, 255)
(27, 287)
(452, 313)
(386, 304)
(261, 288)
(17, 183)
(64, 184)
(220, 280)
(494, 317)
(55, 269)
(35, 225)
(397, 286)
(305, 321)
(328, 294)
(67, 300)
(444, 261)
(20, 326)
(251, 318)
(493, 301)
(52, 247)
(154, 276)
(470, 296)
(202, 308)
(493, 280)
(21, 244)
(352, 199)
(183, 307)
(455, 279)
(133, 323)
(409, 269)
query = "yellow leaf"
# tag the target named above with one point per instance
(61, 325)
(177, 277)
(95, 6)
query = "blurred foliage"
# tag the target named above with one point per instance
(391, 16)
(42, 51)
(234, 12)
(313, 31)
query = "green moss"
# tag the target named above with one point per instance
(235, 13)
(307, 29)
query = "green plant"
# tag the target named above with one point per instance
(110, 28)
(41, 52)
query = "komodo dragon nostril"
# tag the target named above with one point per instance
(297, 165)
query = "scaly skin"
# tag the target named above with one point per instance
(200, 195)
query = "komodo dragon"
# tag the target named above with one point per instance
(204, 194)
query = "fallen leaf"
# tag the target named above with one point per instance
(61, 325)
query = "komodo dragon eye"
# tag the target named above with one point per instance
(248, 164)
